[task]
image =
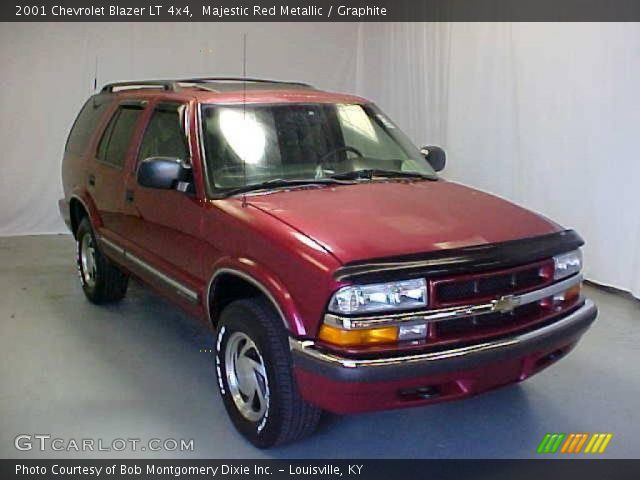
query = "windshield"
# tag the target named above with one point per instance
(253, 144)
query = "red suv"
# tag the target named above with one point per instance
(338, 271)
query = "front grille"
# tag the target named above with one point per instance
(485, 324)
(452, 291)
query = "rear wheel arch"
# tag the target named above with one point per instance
(77, 212)
(81, 206)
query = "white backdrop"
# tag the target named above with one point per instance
(546, 115)
(48, 70)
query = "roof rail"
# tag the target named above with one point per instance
(164, 84)
(241, 79)
(172, 85)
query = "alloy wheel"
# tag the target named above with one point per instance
(88, 260)
(246, 377)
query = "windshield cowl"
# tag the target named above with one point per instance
(358, 178)
(373, 174)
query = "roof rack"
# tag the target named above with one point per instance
(164, 84)
(242, 79)
(173, 85)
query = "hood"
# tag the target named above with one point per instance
(389, 218)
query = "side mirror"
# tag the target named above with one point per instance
(167, 173)
(435, 156)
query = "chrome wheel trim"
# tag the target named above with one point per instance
(246, 377)
(88, 260)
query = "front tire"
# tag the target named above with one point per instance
(255, 377)
(102, 282)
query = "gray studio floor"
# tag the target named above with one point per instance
(134, 370)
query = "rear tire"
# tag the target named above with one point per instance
(102, 282)
(255, 376)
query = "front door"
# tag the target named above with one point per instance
(164, 225)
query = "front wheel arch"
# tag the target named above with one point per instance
(229, 284)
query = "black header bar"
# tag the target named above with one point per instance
(321, 11)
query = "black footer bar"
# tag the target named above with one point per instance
(543, 469)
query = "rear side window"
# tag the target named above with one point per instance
(117, 136)
(164, 136)
(85, 124)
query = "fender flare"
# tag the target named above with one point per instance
(89, 206)
(264, 281)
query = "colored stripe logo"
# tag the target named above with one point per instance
(574, 443)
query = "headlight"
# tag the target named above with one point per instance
(567, 264)
(380, 297)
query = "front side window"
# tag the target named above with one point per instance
(252, 144)
(164, 136)
(116, 138)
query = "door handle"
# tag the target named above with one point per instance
(92, 179)
(129, 196)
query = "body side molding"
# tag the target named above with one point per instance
(180, 289)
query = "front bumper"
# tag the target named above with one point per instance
(346, 385)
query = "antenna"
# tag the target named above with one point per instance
(244, 108)
(95, 76)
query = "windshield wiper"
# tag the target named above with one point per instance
(370, 173)
(336, 179)
(283, 183)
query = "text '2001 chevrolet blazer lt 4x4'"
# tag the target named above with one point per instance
(338, 271)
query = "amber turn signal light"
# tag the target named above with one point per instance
(352, 338)
(570, 295)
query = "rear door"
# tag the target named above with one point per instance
(107, 173)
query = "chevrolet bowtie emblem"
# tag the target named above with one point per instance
(505, 303)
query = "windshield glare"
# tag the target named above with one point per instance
(252, 144)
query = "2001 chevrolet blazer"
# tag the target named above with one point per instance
(338, 270)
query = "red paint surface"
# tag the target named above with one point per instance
(346, 398)
(291, 242)
(388, 218)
